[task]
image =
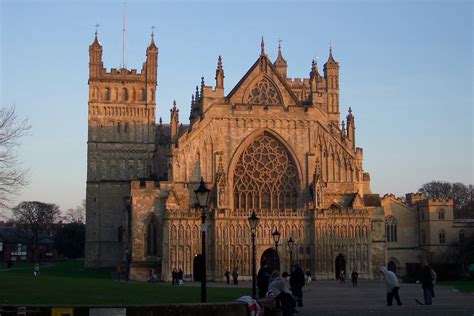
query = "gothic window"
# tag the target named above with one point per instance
(143, 95)
(462, 237)
(442, 237)
(265, 176)
(264, 92)
(441, 214)
(151, 238)
(125, 94)
(391, 229)
(107, 93)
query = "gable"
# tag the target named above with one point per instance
(262, 85)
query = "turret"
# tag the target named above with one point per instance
(174, 123)
(351, 128)
(151, 61)
(331, 75)
(95, 58)
(280, 63)
(219, 74)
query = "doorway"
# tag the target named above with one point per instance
(271, 259)
(197, 267)
(340, 265)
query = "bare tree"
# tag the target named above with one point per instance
(35, 218)
(12, 176)
(459, 192)
(77, 214)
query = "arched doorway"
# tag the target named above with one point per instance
(340, 265)
(197, 267)
(271, 259)
(392, 266)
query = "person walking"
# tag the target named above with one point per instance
(297, 282)
(263, 277)
(227, 276)
(342, 278)
(392, 284)
(427, 284)
(354, 277)
(36, 270)
(434, 277)
(174, 276)
(308, 276)
(235, 276)
(180, 277)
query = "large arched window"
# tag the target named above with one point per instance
(265, 176)
(391, 229)
(125, 94)
(151, 238)
(107, 93)
(441, 214)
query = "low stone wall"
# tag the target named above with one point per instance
(207, 309)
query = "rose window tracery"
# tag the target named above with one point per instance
(264, 92)
(265, 176)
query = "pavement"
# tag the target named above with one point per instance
(328, 297)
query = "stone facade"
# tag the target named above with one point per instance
(274, 145)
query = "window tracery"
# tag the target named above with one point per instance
(264, 92)
(265, 176)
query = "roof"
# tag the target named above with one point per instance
(372, 200)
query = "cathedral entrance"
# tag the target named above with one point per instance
(197, 267)
(271, 259)
(340, 265)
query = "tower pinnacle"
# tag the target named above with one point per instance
(262, 47)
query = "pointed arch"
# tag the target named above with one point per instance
(151, 235)
(264, 173)
(263, 91)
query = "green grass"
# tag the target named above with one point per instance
(463, 286)
(67, 283)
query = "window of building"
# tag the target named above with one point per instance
(107, 94)
(143, 95)
(441, 214)
(151, 238)
(462, 237)
(391, 229)
(442, 237)
(125, 94)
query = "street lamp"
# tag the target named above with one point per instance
(291, 243)
(276, 239)
(202, 195)
(253, 221)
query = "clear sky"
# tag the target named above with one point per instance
(406, 69)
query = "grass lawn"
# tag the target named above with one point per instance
(463, 286)
(68, 283)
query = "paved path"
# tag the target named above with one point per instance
(369, 298)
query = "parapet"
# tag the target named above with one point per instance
(413, 198)
(366, 176)
(144, 185)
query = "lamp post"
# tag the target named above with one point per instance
(276, 239)
(253, 221)
(202, 195)
(291, 243)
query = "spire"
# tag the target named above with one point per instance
(314, 69)
(174, 122)
(350, 117)
(331, 59)
(152, 40)
(96, 43)
(280, 62)
(219, 74)
(262, 47)
(174, 109)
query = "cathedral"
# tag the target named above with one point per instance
(272, 144)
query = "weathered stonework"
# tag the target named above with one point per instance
(273, 145)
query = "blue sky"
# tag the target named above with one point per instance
(406, 71)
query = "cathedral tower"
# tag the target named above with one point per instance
(120, 147)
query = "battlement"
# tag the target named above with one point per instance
(141, 185)
(436, 202)
(366, 176)
(413, 198)
(393, 197)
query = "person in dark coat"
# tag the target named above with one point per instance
(227, 276)
(297, 283)
(263, 277)
(427, 284)
(174, 275)
(354, 277)
(235, 276)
